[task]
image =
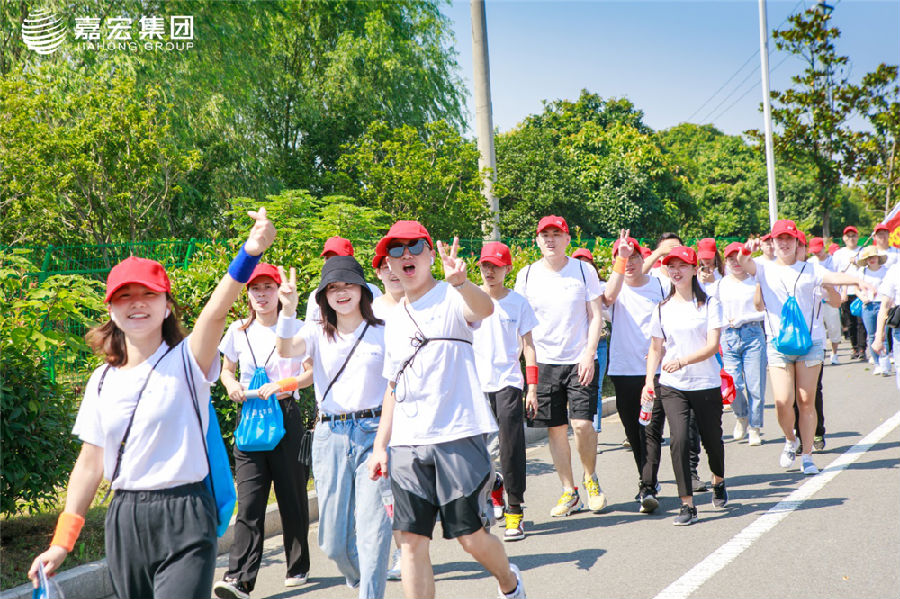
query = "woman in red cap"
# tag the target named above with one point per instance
(250, 344)
(685, 329)
(844, 261)
(778, 280)
(142, 424)
(710, 266)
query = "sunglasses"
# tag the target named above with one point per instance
(415, 248)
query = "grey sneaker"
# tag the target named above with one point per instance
(720, 495)
(687, 515)
(698, 485)
(393, 572)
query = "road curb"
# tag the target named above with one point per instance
(90, 581)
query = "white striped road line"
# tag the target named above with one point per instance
(721, 557)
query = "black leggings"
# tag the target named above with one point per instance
(707, 406)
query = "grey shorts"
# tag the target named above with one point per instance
(452, 479)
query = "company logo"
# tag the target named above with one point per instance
(43, 32)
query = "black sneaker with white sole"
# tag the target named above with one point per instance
(720, 495)
(687, 515)
(649, 502)
(230, 588)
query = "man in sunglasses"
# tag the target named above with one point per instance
(434, 416)
(565, 296)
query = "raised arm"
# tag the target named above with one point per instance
(288, 341)
(204, 340)
(614, 284)
(478, 304)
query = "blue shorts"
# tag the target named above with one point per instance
(814, 357)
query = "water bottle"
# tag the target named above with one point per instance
(646, 411)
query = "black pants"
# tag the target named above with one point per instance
(510, 415)
(856, 331)
(162, 543)
(707, 405)
(255, 472)
(820, 411)
(645, 441)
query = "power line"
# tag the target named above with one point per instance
(750, 89)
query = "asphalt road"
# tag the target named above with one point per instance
(782, 535)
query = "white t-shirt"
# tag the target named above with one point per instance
(827, 263)
(890, 286)
(716, 278)
(381, 309)
(873, 278)
(893, 256)
(235, 347)
(778, 281)
(736, 299)
(559, 300)
(496, 343)
(843, 261)
(313, 314)
(438, 395)
(683, 326)
(361, 386)
(629, 342)
(165, 446)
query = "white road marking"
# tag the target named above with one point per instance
(721, 557)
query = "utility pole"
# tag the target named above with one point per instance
(767, 111)
(484, 121)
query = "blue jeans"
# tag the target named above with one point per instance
(870, 321)
(744, 359)
(354, 528)
(602, 348)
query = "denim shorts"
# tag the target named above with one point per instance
(814, 357)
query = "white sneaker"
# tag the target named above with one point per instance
(872, 360)
(834, 360)
(789, 453)
(807, 465)
(753, 436)
(740, 429)
(878, 370)
(519, 593)
(393, 572)
(885, 364)
(296, 581)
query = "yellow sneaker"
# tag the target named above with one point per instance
(514, 529)
(569, 503)
(596, 498)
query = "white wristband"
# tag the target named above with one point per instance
(286, 327)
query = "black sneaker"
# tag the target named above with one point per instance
(687, 516)
(230, 588)
(649, 502)
(698, 485)
(720, 495)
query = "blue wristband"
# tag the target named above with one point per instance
(242, 266)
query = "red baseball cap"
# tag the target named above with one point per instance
(851, 229)
(377, 260)
(706, 248)
(634, 243)
(801, 237)
(682, 253)
(495, 253)
(785, 227)
(645, 252)
(264, 270)
(734, 247)
(142, 271)
(766, 237)
(816, 245)
(553, 221)
(583, 252)
(338, 246)
(403, 229)
(833, 248)
(881, 227)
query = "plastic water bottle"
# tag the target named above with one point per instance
(646, 411)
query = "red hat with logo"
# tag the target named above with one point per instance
(736, 247)
(337, 246)
(141, 271)
(785, 227)
(833, 248)
(706, 248)
(634, 243)
(816, 245)
(495, 253)
(881, 227)
(402, 229)
(583, 253)
(682, 253)
(553, 221)
(264, 270)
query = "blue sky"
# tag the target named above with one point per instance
(668, 57)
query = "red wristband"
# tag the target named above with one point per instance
(531, 375)
(289, 384)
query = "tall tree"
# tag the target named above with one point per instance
(879, 168)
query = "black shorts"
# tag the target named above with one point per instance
(558, 389)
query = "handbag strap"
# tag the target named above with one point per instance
(346, 360)
(121, 451)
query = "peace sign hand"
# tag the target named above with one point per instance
(287, 292)
(625, 248)
(454, 268)
(261, 235)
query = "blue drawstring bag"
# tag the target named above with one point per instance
(262, 423)
(793, 338)
(219, 481)
(856, 307)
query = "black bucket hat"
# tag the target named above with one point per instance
(342, 269)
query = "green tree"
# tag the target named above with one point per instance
(879, 172)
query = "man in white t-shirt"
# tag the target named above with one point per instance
(881, 237)
(435, 417)
(334, 246)
(565, 295)
(844, 261)
(889, 296)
